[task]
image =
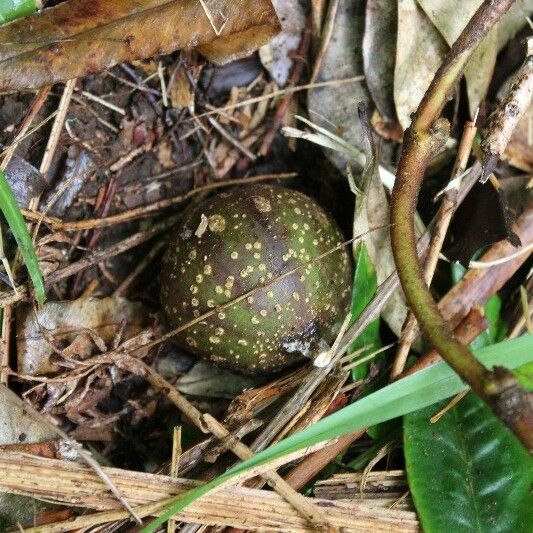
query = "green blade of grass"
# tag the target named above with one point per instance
(10, 209)
(409, 394)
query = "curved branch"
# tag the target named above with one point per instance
(498, 388)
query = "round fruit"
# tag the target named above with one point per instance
(241, 242)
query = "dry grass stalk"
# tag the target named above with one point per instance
(73, 484)
(380, 489)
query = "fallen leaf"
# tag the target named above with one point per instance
(372, 211)
(68, 323)
(379, 54)
(336, 105)
(419, 53)
(25, 180)
(276, 55)
(16, 427)
(77, 37)
(450, 18)
(513, 20)
(180, 90)
(210, 381)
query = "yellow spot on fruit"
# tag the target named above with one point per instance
(263, 312)
(208, 270)
(219, 289)
(255, 320)
(217, 223)
(195, 302)
(234, 255)
(296, 296)
(214, 340)
(199, 278)
(262, 204)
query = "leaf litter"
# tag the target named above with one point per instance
(147, 130)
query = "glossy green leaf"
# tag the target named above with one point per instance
(363, 289)
(467, 472)
(11, 211)
(14, 9)
(409, 394)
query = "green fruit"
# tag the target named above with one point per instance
(243, 240)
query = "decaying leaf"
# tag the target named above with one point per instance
(450, 18)
(210, 381)
(337, 105)
(275, 55)
(17, 427)
(81, 326)
(419, 53)
(379, 54)
(372, 211)
(25, 180)
(78, 37)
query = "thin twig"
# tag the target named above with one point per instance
(38, 417)
(148, 210)
(10, 297)
(206, 422)
(7, 316)
(231, 140)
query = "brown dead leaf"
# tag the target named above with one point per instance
(180, 90)
(78, 37)
(84, 325)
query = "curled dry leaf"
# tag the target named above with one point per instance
(81, 326)
(372, 211)
(419, 53)
(78, 37)
(276, 55)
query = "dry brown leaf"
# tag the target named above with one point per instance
(180, 90)
(419, 53)
(78, 37)
(74, 322)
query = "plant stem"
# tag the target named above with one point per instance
(427, 133)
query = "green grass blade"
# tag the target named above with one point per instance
(10, 209)
(424, 388)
